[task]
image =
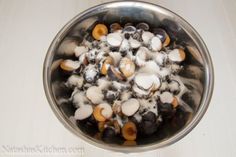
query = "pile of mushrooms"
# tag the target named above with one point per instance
(123, 72)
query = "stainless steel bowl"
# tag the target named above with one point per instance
(197, 74)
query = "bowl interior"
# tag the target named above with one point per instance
(194, 74)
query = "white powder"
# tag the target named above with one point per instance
(156, 81)
(147, 81)
(75, 80)
(127, 65)
(114, 39)
(124, 45)
(92, 54)
(138, 117)
(174, 86)
(141, 57)
(119, 120)
(95, 94)
(79, 98)
(100, 56)
(87, 44)
(82, 58)
(164, 86)
(91, 72)
(160, 58)
(125, 95)
(146, 36)
(153, 66)
(103, 38)
(116, 57)
(139, 92)
(106, 110)
(130, 55)
(139, 61)
(175, 56)
(148, 105)
(166, 97)
(134, 43)
(103, 83)
(150, 67)
(130, 106)
(144, 80)
(83, 112)
(155, 44)
(163, 72)
(175, 68)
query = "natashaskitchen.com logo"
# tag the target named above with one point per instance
(41, 150)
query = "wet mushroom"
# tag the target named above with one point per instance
(83, 112)
(75, 81)
(166, 97)
(102, 112)
(129, 131)
(69, 65)
(94, 94)
(155, 44)
(80, 50)
(177, 55)
(99, 31)
(105, 63)
(134, 44)
(114, 39)
(115, 74)
(91, 74)
(130, 107)
(146, 37)
(127, 67)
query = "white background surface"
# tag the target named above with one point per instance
(28, 26)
